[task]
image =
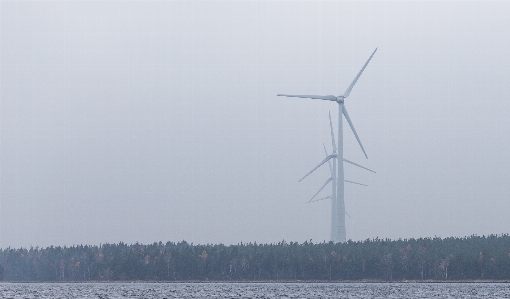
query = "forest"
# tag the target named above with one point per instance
(427, 259)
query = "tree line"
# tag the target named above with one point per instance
(468, 258)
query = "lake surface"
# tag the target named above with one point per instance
(254, 290)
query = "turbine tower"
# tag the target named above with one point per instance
(338, 233)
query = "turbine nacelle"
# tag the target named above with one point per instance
(340, 99)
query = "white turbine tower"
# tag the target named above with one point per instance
(338, 233)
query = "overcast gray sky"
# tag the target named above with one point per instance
(159, 121)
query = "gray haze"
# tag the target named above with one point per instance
(158, 121)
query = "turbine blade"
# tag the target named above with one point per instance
(329, 98)
(320, 164)
(333, 142)
(327, 197)
(329, 162)
(325, 184)
(355, 164)
(348, 91)
(353, 130)
(348, 215)
(355, 183)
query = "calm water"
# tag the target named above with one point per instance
(252, 290)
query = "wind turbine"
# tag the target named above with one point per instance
(338, 233)
(328, 158)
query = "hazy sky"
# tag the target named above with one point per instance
(158, 121)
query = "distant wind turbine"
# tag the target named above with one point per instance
(333, 157)
(338, 233)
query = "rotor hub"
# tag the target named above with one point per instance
(340, 99)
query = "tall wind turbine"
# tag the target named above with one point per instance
(338, 233)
